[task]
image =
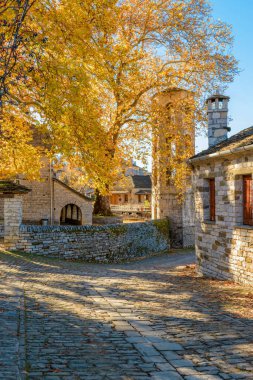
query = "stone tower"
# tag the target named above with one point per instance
(217, 109)
(164, 194)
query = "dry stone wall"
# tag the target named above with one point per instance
(224, 248)
(111, 243)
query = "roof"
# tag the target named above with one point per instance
(10, 187)
(142, 181)
(215, 96)
(140, 192)
(242, 139)
(73, 190)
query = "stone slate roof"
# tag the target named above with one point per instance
(142, 181)
(10, 187)
(243, 138)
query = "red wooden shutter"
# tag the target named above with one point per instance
(212, 198)
(247, 200)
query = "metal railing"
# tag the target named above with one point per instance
(131, 207)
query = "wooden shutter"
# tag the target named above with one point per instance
(247, 200)
(212, 198)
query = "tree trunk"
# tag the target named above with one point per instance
(102, 205)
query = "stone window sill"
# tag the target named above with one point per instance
(209, 222)
(243, 226)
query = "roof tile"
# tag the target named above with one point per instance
(243, 138)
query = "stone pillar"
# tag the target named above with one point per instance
(13, 207)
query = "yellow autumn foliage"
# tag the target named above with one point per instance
(97, 66)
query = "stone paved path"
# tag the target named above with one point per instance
(143, 320)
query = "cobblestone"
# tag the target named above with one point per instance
(136, 321)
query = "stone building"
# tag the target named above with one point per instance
(224, 199)
(49, 200)
(165, 202)
(132, 195)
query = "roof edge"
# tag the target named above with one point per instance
(14, 188)
(221, 153)
(73, 190)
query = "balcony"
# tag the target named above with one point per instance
(131, 208)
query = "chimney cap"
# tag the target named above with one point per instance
(217, 95)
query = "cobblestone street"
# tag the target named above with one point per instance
(151, 319)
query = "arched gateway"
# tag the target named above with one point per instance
(71, 215)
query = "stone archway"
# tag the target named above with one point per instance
(71, 214)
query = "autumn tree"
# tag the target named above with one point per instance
(102, 65)
(44, 84)
(19, 44)
(110, 75)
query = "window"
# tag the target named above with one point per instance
(139, 198)
(126, 198)
(247, 200)
(220, 104)
(213, 105)
(212, 199)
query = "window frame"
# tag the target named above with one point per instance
(247, 203)
(212, 200)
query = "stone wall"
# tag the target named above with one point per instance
(1, 209)
(224, 248)
(12, 219)
(1, 217)
(188, 219)
(101, 220)
(112, 243)
(1, 230)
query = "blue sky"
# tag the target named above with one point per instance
(239, 14)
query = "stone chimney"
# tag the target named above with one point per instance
(217, 118)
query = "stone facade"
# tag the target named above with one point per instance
(49, 196)
(12, 219)
(37, 203)
(11, 211)
(188, 219)
(224, 248)
(164, 195)
(63, 195)
(112, 243)
(1, 217)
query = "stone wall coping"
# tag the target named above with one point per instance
(99, 228)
